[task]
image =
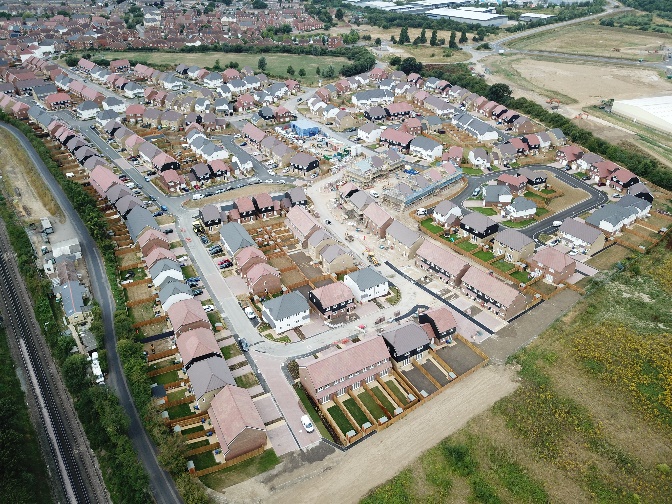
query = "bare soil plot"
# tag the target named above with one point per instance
(303, 261)
(281, 262)
(291, 277)
(459, 357)
(128, 259)
(419, 380)
(435, 372)
(138, 292)
(570, 197)
(29, 194)
(595, 40)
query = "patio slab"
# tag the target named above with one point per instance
(281, 438)
(267, 408)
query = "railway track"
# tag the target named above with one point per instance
(77, 474)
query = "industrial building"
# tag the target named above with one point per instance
(482, 17)
(654, 112)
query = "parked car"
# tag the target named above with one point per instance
(209, 308)
(197, 292)
(168, 231)
(244, 345)
(157, 214)
(164, 208)
(251, 314)
(307, 424)
(557, 223)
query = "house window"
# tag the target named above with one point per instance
(343, 379)
(383, 373)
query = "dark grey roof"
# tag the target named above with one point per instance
(402, 234)
(632, 201)
(286, 306)
(445, 207)
(477, 221)
(522, 204)
(171, 288)
(406, 338)
(137, 220)
(580, 230)
(72, 294)
(297, 194)
(164, 265)
(210, 213)
(367, 278)
(424, 143)
(235, 237)
(330, 252)
(611, 213)
(494, 192)
(513, 239)
(361, 199)
(208, 375)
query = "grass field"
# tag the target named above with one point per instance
(398, 393)
(277, 63)
(179, 411)
(484, 255)
(231, 351)
(247, 380)
(204, 460)
(164, 378)
(502, 265)
(245, 470)
(340, 419)
(485, 211)
(594, 40)
(467, 246)
(591, 420)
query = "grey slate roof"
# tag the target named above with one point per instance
(137, 220)
(172, 288)
(611, 213)
(286, 306)
(331, 252)
(580, 230)
(367, 278)
(632, 201)
(208, 375)
(72, 294)
(477, 221)
(235, 237)
(406, 338)
(164, 265)
(402, 234)
(513, 239)
(424, 143)
(494, 192)
(522, 204)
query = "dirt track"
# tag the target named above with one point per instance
(337, 477)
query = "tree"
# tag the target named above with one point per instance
(290, 70)
(75, 369)
(481, 33)
(302, 72)
(71, 60)
(339, 14)
(330, 72)
(393, 39)
(395, 61)
(463, 37)
(423, 36)
(403, 36)
(261, 64)
(433, 39)
(499, 93)
(452, 43)
(218, 66)
(259, 4)
(410, 65)
(317, 71)
(233, 64)
(377, 41)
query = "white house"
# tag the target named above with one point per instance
(87, 110)
(366, 284)
(164, 270)
(479, 157)
(611, 218)
(520, 209)
(446, 212)
(286, 312)
(172, 292)
(426, 148)
(369, 132)
(115, 104)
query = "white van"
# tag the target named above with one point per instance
(374, 193)
(70, 175)
(197, 197)
(421, 211)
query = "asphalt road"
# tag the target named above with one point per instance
(596, 198)
(161, 484)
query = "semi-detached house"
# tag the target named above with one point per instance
(286, 312)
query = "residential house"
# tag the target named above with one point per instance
(366, 284)
(396, 138)
(286, 312)
(164, 270)
(535, 178)
(248, 257)
(335, 259)
(210, 216)
(641, 191)
(138, 220)
(446, 214)
(301, 224)
(263, 280)
(513, 245)
(72, 295)
(304, 162)
(377, 220)
(642, 206)
(235, 237)
(186, 315)
(264, 206)
(334, 373)
(623, 179)
(172, 292)
(197, 344)
(611, 218)
(516, 183)
(151, 239)
(406, 240)
(496, 196)
(447, 265)
(477, 227)
(426, 148)
(442, 321)
(319, 240)
(369, 132)
(500, 298)
(207, 377)
(245, 207)
(520, 209)
(406, 343)
(579, 235)
(332, 300)
(552, 265)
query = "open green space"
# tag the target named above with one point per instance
(247, 380)
(547, 191)
(484, 255)
(503, 265)
(518, 224)
(312, 412)
(340, 419)
(534, 196)
(245, 470)
(472, 171)
(179, 411)
(164, 378)
(542, 211)
(485, 211)
(399, 394)
(395, 295)
(429, 225)
(467, 246)
(231, 351)
(355, 411)
(197, 444)
(380, 394)
(521, 276)
(371, 405)
(591, 419)
(203, 460)
(276, 63)
(25, 479)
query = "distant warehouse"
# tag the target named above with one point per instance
(469, 16)
(654, 112)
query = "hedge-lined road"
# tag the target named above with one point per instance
(162, 485)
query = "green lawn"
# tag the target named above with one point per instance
(484, 255)
(429, 225)
(197, 444)
(467, 246)
(214, 318)
(547, 191)
(355, 411)
(531, 195)
(204, 460)
(518, 224)
(177, 395)
(164, 378)
(231, 351)
(179, 411)
(380, 394)
(502, 265)
(521, 276)
(276, 63)
(472, 171)
(395, 295)
(371, 405)
(451, 238)
(189, 271)
(485, 211)
(542, 211)
(191, 430)
(245, 470)
(247, 380)
(340, 419)
(312, 412)
(397, 392)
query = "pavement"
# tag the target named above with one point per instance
(161, 484)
